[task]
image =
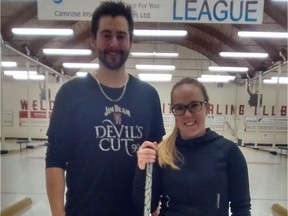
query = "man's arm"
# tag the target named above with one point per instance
(55, 186)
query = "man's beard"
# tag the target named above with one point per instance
(109, 62)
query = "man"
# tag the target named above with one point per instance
(98, 124)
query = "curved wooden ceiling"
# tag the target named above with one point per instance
(206, 39)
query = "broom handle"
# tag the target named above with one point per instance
(148, 189)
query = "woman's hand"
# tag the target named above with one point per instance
(146, 154)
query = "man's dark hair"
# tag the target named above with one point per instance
(113, 9)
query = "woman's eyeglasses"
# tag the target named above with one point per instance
(193, 107)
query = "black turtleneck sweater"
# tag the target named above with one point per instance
(212, 175)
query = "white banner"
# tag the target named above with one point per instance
(215, 122)
(180, 11)
(7, 117)
(168, 120)
(266, 124)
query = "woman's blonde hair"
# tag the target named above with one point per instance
(167, 151)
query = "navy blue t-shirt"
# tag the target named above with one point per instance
(95, 141)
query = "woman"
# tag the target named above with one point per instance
(198, 172)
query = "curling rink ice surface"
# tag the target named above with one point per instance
(23, 175)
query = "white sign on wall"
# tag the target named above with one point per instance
(266, 124)
(215, 122)
(180, 11)
(34, 118)
(7, 117)
(168, 120)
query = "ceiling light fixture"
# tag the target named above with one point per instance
(243, 55)
(81, 74)
(160, 33)
(228, 69)
(30, 77)
(274, 80)
(155, 67)
(154, 54)
(67, 51)
(8, 64)
(215, 78)
(37, 77)
(263, 34)
(42, 31)
(13, 72)
(81, 65)
(151, 77)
